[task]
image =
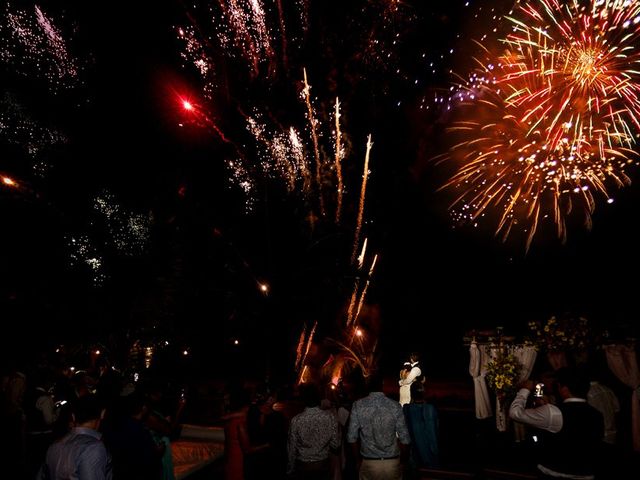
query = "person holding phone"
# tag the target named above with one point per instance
(571, 431)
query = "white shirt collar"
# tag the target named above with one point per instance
(574, 399)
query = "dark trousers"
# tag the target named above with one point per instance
(320, 470)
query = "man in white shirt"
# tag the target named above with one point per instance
(571, 431)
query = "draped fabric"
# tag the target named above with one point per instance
(480, 355)
(557, 359)
(526, 355)
(623, 362)
(478, 370)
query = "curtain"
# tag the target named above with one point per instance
(478, 370)
(623, 362)
(557, 359)
(526, 355)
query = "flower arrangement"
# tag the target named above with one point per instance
(502, 373)
(561, 334)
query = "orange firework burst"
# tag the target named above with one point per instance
(552, 120)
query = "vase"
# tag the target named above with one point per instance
(501, 414)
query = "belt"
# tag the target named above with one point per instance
(381, 458)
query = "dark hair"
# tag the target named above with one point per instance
(134, 403)
(375, 382)
(310, 394)
(574, 379)
(103, 361)
(87, 408)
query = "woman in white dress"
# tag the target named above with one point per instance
(409, 374)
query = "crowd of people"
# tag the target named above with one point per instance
(57, 422)
(336, 432)
(96, 424)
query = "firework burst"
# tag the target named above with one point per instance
(17, 127)
(31, 41)
(128, 231)
(551, 122)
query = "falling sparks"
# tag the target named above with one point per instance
(37, 141)
(313, 124)
(363, 192)
(339, 154)
(352, 311)
(237, 28)
(283, 155)
(83, 252)
(366, 287)
(307, 346)
(552, 121)
(128, 231)
(31, 42)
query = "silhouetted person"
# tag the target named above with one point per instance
(313, 433)
(80, 455)
(378, 423)
(12, 424)
(109, 383)
(422, 423)
(41, 414)
(263, 438)
(135, 455)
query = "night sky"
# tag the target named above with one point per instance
(195, 276)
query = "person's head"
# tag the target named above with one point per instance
(155, 392)
(87, 412)
(375, 382)
(414, 357)
(571, 382)
(135, 406)
(310, 394)
(103, 365)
